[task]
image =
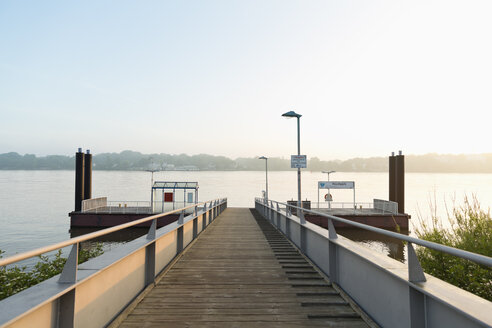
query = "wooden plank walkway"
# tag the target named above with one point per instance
(241, 272)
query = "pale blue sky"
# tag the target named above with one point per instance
(369, 77)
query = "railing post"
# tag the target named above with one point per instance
(69, 272)
(415, 272)
(66, 303)
(195, 222)
(332, 233)
(180, 243)
(288, 214)
(302, 230)
(181, 218)
(418, 307)
(204, 217)
(301, 216)
(150, 254)
(278, 216)
(332, 252)
(272, 212)
(211, 212)
(66, 309)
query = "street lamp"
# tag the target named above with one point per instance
(298, 116)
(266, 178)
(329, 194)
(152, 169)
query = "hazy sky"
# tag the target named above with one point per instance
(369, 77)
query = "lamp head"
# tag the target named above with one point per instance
(262, 157)
(291, 114)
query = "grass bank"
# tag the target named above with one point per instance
(469, 227)
(17, 278)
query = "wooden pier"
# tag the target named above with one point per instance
(241, 272)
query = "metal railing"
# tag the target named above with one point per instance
(477, 258)
(62, 292)
(386, 206)
(121, 207)
(350, 205)
(338, 264)
(160, 206)
(134, 207)
(94, 203)
(378, 205)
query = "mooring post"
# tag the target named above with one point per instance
(392, 178)
(400, 181)
(79, 179)
(87, 175)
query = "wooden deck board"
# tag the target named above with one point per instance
(232, 276)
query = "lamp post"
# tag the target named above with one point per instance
(266, 178)
(329, 194)
(298, 116)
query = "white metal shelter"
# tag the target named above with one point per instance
(171, 195)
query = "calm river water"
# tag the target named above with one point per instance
(34, 205)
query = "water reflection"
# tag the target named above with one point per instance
(390, 246)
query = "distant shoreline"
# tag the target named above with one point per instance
(135, 161)
(289, 170)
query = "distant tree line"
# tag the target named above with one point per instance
(134, 161)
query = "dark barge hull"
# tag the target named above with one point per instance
(383, 221)
(106, 220)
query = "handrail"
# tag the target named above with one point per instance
(477, 258)
(76, 240)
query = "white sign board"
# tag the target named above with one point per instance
(298, 161)
(336, 184)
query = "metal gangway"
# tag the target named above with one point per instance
(275, 270)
